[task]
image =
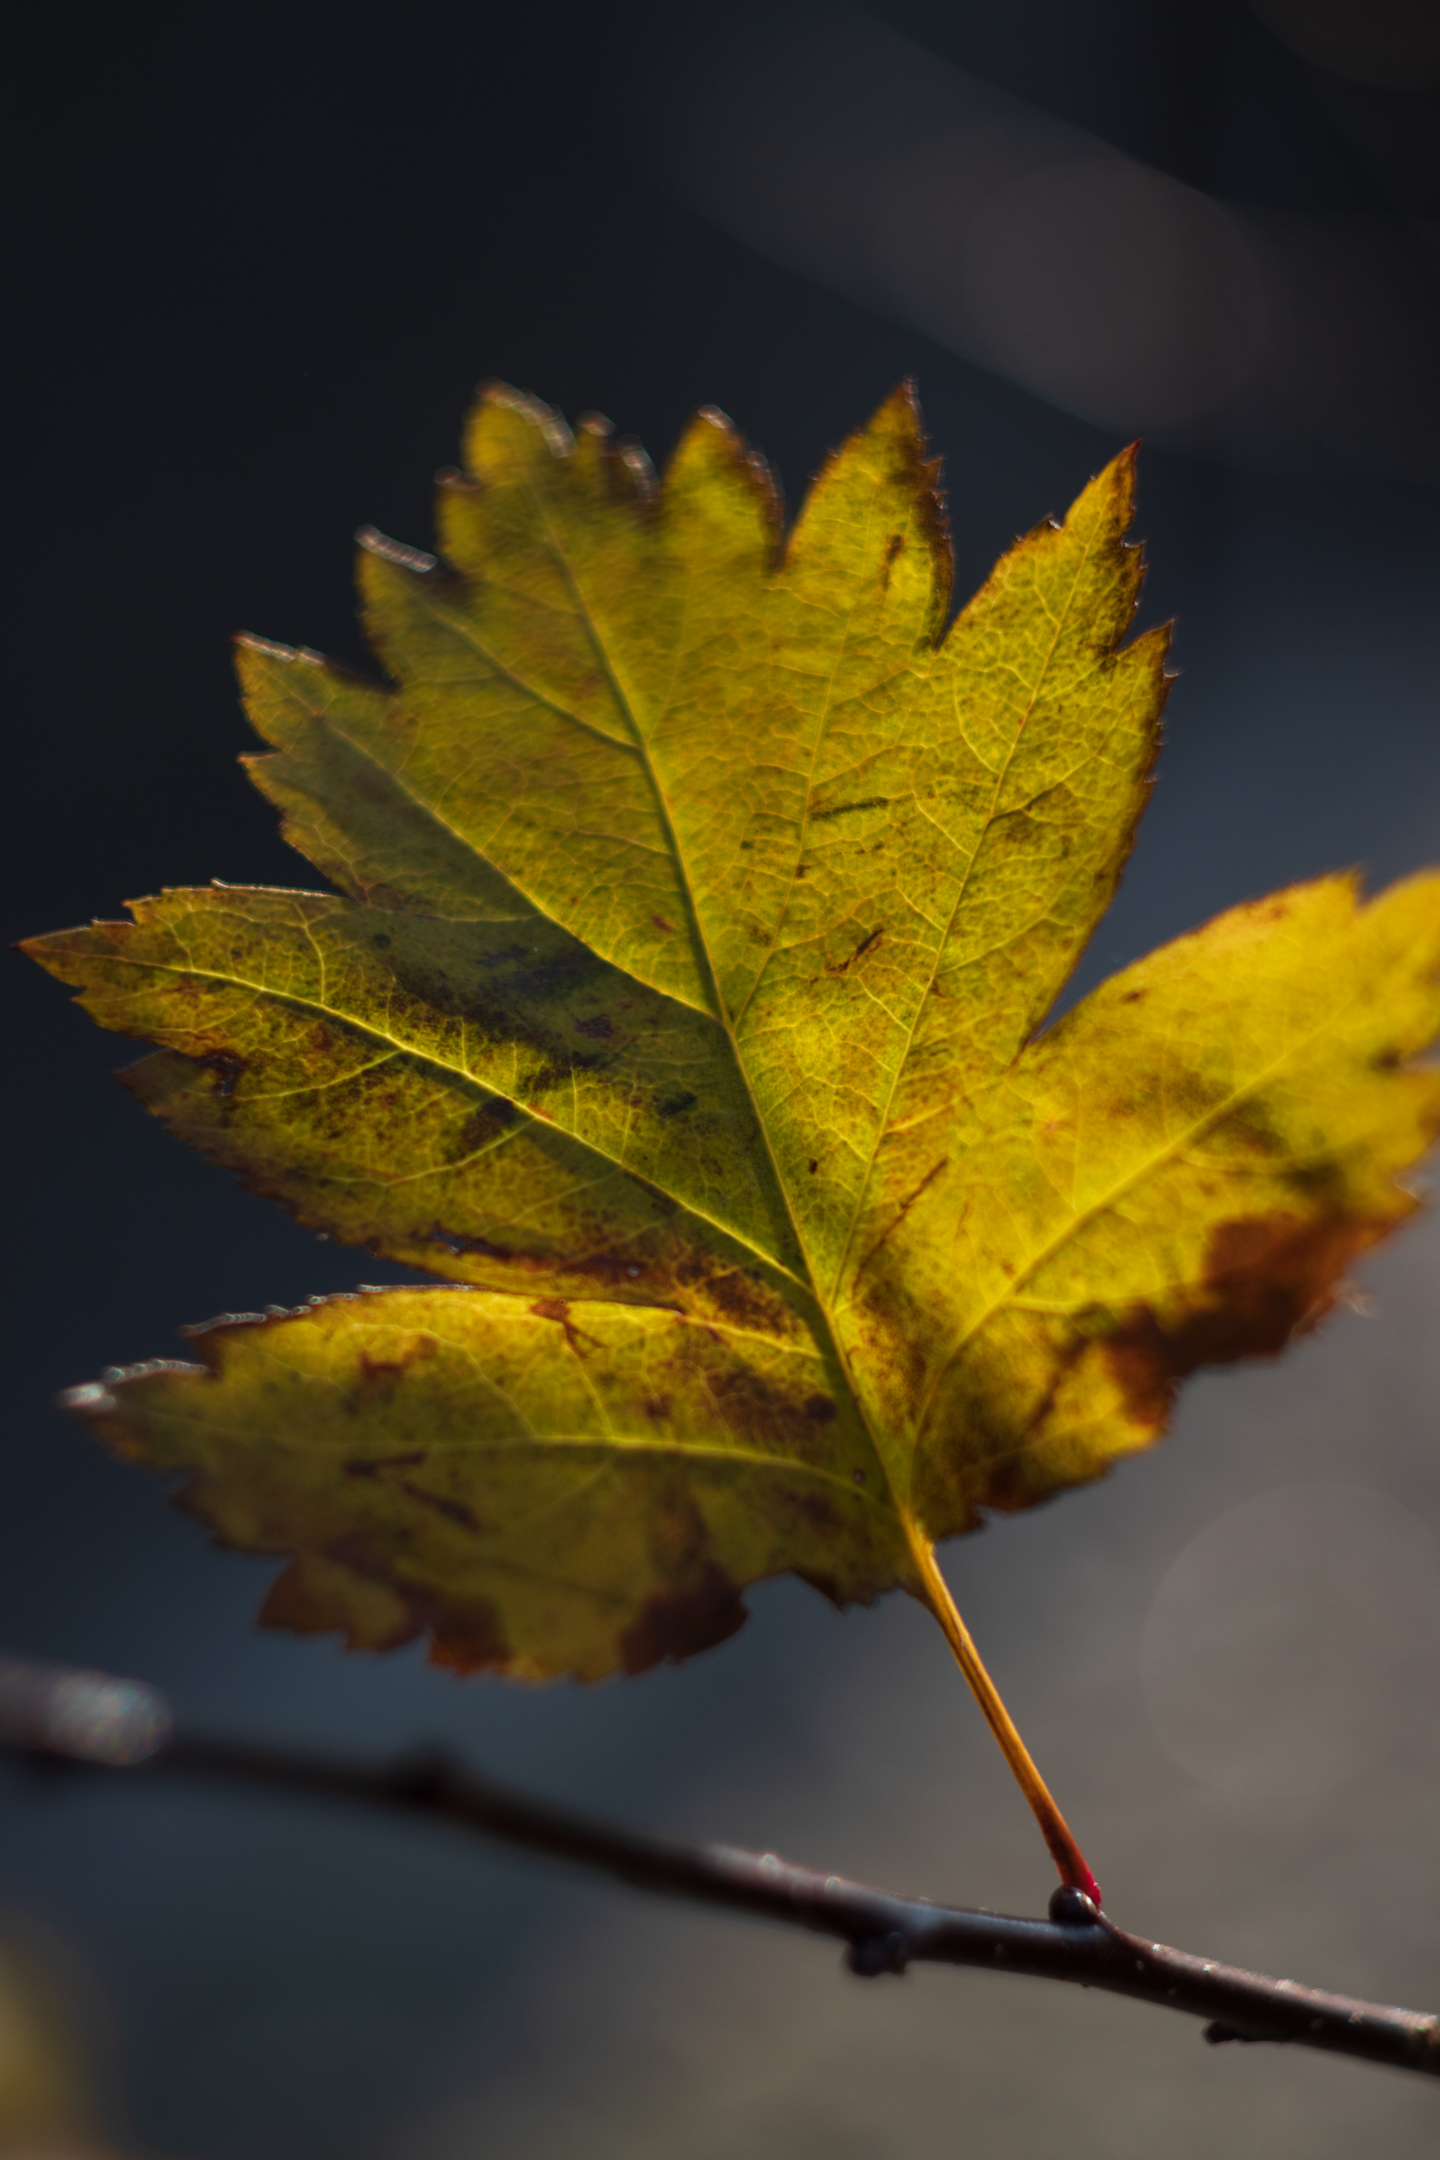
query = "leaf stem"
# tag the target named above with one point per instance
(1068, 1858)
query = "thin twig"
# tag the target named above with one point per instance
(63, 1718)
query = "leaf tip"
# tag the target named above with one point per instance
(501, 401)
(1119, 482)
(374, 542)
(249, 641)
(903, 406)
(89, 1400)
(712, 461)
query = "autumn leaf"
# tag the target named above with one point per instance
(701, 899)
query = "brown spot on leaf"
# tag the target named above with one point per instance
(869, 802)
(767, 1415)
(903, 1210)
(815, 1510)
(361, 1466)
(320, 1595)
(867, 944)
(1010, 1483)
(466, 1636)
(454, 1511)
(743, 1300)
(456, 1242)
(820, 1408)
(227, 1070)
(358, 1552)
(825, 1584)
(381, 1375)
(470, 1641)
(558, 1308)
(598, 1028)
(481, 1127)
(675, 1624)
(380, 1372)
(290, 1602)
(679, 1534)
(1267, 1277)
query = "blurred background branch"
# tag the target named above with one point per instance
(1256, 332)
(64, 1720)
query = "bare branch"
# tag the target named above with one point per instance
(61, 1718)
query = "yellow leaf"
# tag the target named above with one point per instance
(545, 1485)
(703, 902)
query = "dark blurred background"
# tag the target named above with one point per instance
(257, 259)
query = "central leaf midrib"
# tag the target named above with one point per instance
(614, 677)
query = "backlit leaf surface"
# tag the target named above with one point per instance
(700, 899)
